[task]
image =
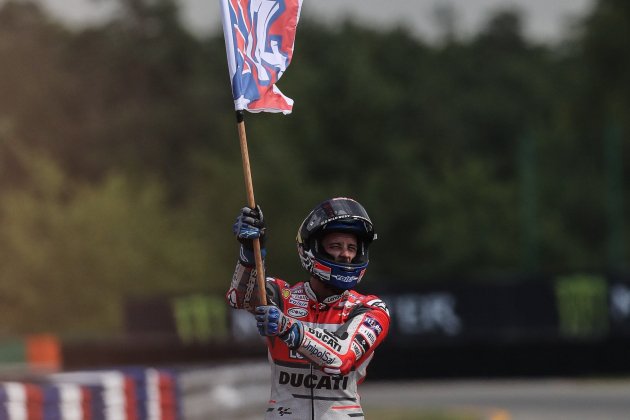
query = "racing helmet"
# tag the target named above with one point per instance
(335, 215)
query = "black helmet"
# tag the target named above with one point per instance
(335, 215)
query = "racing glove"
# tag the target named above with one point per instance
(249, 225)
(272, 322)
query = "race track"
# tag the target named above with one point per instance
(240, 392)
(534, 399)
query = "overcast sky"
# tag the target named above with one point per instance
(544, 19)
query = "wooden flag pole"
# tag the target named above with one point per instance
(251, 202)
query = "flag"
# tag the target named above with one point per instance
(259, 40)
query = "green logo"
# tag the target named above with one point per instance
(200, 318)
(582, 302)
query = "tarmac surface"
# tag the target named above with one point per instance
(530, 399)
(241, 391)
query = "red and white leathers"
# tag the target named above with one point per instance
(318, 379)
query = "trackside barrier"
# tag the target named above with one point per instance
(236, 391)
(126, 394)
(226, 392)
(43, 401)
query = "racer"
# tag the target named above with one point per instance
(321, 334)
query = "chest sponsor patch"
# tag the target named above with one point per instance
(300, 303)
(299, 296)
(297, 312)
(332, 299)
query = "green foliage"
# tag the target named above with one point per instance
(72, 252)
(582, 305)
(121, 174)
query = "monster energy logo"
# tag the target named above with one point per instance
(582, 305)
(200, 318)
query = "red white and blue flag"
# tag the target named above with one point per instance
(259, 40)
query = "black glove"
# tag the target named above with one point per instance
(249, 225)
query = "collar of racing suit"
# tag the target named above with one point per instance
(327, 302)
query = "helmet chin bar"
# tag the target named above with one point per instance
(338, 275)
(333, 289)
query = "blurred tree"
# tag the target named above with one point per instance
(408, 128)
(576, 156)
(605, 106)
(605, 45)
(72, 252)
(135, 166)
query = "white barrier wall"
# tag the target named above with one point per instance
(224, 392)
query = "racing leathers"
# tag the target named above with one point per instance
(317, 377)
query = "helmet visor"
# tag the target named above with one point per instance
(336, 210)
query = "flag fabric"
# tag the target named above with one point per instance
(259, 40)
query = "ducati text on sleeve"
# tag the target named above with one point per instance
(328, 339)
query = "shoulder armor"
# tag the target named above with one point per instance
(375, 302)
(366, 304)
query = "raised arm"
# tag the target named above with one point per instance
(243, 292)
